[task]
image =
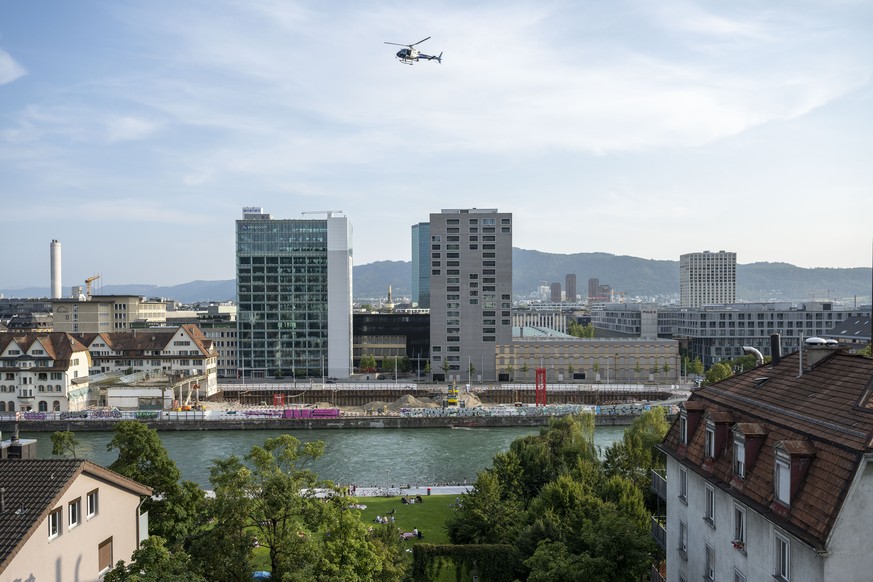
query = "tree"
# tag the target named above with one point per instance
(153, 562)
(223, 552)
(445, 368)
(471, 369)
(64, 442)
(578, 330)
(697, 367)
(524, 370)
(718, 372)
(174, 509)
(485, 514)
(666, 368)
(427, 369)
(270, 496)
(638, 370)
(596, 368)
(367, 363)
(636, 456)
(509, 371)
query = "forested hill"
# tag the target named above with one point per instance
(647, 279)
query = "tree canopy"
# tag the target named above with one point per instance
(569, 515)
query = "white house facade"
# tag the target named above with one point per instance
(768, 474)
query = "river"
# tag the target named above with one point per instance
(371, 457)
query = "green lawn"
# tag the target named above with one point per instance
(429, 517)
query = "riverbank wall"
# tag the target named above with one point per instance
(343, 422)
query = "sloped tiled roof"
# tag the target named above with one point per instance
(149, 339)
(823, 413)
(58, 345)
(32, 489)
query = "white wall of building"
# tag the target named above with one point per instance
(339, 297)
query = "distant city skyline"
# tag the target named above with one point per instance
(135, 133)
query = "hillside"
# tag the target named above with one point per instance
(647, 279)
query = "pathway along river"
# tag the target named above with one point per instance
(372, 457)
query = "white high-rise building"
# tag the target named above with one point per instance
(707, 278)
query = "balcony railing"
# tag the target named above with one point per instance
(656, 575)
(659, 532)
(659, 485)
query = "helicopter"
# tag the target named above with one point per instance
(411, 55)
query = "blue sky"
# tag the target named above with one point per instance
(135, 132)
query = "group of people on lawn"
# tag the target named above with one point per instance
(389, 518)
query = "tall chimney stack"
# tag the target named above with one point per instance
(775, 348)
(56, 269)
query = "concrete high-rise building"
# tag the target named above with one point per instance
(55, 252)
(570, 287)
(555, 292)
(707, 278)
(593, 288)
(598, 293)
(421, 264)
(470, 291)
(294, 291)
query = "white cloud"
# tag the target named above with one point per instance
(9, 69)
(128, 128)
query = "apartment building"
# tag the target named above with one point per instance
(182, 351)
(43, 372)
(707, 278)
(470, 290)
(715, 333)
(768, 473)
(106, 313)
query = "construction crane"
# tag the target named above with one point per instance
(819, 292)
(88, 282)
(329, 213)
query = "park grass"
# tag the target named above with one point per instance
(429, 517)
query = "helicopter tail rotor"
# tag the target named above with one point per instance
(440, 58)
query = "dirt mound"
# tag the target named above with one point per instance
(409, 401)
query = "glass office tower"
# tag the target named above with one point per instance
(294, 291)
(421, 264)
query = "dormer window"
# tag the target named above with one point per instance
(739, 456)
(683, 428)
(709, 442)
(782, 478)
(792, 461)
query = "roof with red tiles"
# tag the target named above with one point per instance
(140, 340)
(822, 415)
(57, 345)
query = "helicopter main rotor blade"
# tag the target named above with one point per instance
(398, 44)
(419, 42)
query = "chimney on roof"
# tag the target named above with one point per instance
(775, 348)
(817, 349)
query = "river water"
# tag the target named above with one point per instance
(366, 457)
